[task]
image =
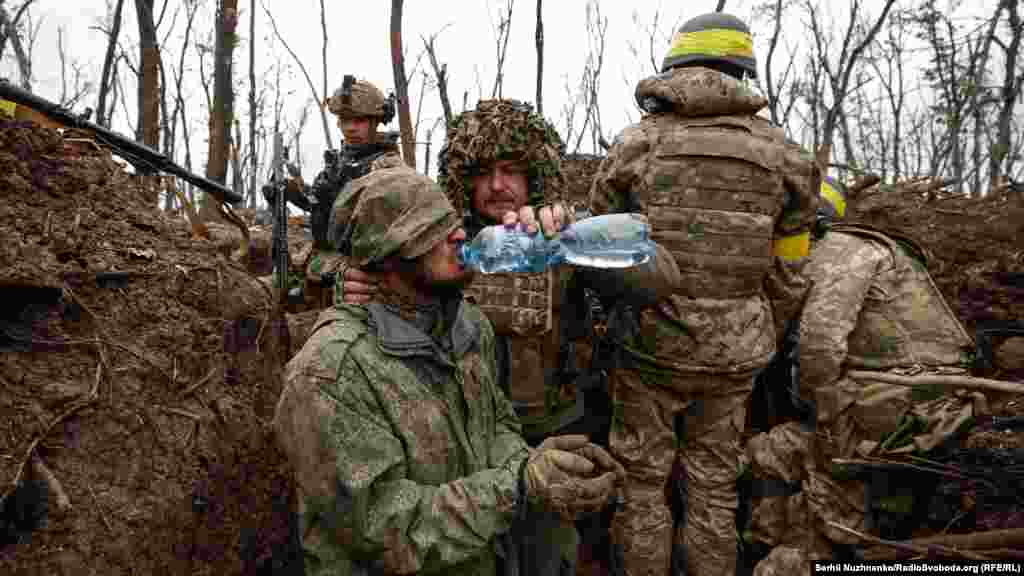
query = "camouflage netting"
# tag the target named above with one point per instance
(132, 369)
(501, 130)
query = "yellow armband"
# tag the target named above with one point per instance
(792, 248)
(7, 108)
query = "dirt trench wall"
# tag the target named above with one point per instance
(133, 369)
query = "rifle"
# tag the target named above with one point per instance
(145, 159)
(280, 243)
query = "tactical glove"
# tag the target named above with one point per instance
(569, 475)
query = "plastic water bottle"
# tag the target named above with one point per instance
(611, 241)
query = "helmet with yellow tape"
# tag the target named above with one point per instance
(833, 199)
(716, 40)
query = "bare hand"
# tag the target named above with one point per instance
(552, 218)
(358, 287)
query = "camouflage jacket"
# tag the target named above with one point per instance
(732, 201)
(872, 305)
(405, 453)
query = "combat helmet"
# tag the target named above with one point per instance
(715, 38)
(831, 206)
(501, 130)
(833, 195)
(359, 98)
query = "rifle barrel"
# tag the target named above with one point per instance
(137, 153)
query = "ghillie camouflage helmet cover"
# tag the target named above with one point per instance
(501, 130)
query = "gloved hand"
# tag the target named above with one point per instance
(569, 475)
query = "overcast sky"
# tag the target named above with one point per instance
(359, 44)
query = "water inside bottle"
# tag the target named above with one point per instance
(612, 241)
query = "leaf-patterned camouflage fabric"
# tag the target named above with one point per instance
(399, 210)
(501, 130)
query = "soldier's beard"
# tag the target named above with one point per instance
(442, 287)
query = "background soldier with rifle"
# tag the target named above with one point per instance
(360, 107)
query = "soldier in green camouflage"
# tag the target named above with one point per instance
(408, 457)
(503, 160)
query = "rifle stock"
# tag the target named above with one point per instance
(142, 157)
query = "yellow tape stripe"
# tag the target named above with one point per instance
(792, 248)
(714, 42)
(834, 197)
(7, 108)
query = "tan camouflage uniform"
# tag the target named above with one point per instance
(728, 196)
(872, 307)
(366, 100)
(407, 457)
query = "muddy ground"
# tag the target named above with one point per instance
(135, 364)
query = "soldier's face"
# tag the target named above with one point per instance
(500, 190)
(357, 130)
(440, 271)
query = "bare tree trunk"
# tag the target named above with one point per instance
(401, 85)
(323, 53)
(237, 182)
(773, 98)
(9, 30)
(426, 156)
(252, 103)
(20, 54)
(309, 81)
(223, 104)
(839, 77)
(539, 40)
(148, 129)
(178, 114)
(441, 73)
(504, 27)
(419, 108)
(1011, 90)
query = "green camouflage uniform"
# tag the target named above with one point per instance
(729, 197)
(405, 452)
(872, 306)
